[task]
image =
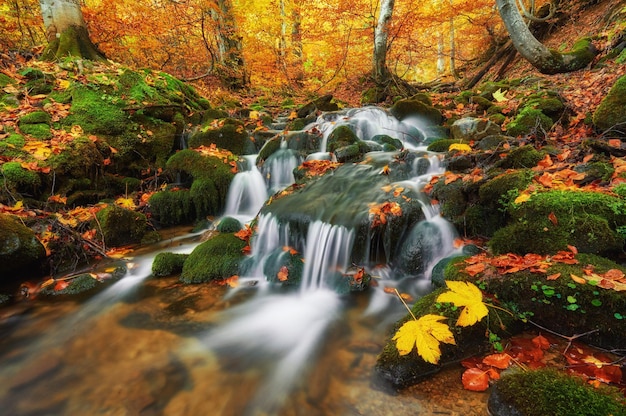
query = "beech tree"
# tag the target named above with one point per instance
(547, 61)
(66, 31)
(230, 50)
(381, 34)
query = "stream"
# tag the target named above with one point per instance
(147, 346)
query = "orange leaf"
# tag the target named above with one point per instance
(553, 219)
(615, 143)
(501, 361)
(545, 162)
(553, 276)
(587, 158)
(283, 274)
(541, 342)
(475, 379)
(474, 269)
(578, 279)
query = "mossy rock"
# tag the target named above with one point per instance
(97, 112)
(562, 305)
(482, 102)
(340, 137)
(228, 134)
(270, 146)
(81, 158)
(520, 158)
(18, 177)
(423, 97)
(610, 116)
(229, 225)
(38, 131)
(548, 102)
(595, 171)
(84, 285)
(547, 392)
(11, 146)
(172, 207)
(205, 198)
(395, 371)
(284, 268)
(389, 143)
(20, 250)
(529, 121)
(453, 197)
(472, 128)
(487, 89)
(168, 264)
(586, 220)
(442, 145)
(500, 190)
(119, 226)
(414, 108)
(214, 259)
(36, 117)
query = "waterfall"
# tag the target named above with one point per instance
(278, 168)
(247, 192)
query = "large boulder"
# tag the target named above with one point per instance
(20, 250)
(472, 128)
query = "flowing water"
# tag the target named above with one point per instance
(153, 346)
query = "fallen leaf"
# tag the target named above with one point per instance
(475, 379)
(500, 360)
(553, 219)
(283, 274)
(468, 296)
(426, 334)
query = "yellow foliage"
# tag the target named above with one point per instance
(468, 296)
(127, 203)
(461, 147)
(425, 333)
(522, 198)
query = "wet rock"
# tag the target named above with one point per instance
(471, 128)
(19, 249)
(610, 116)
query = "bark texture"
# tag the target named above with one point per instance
(381, 34)
(66, 31)
(547, 61)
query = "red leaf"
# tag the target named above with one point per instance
(475, 379)
(283, 274)
(61, 284)
(541, 342)
(553, 219)
(474, 269)
(553, 276)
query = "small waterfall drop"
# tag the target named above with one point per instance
(247, 192)
(278, 168)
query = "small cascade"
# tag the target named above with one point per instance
(328, 250)
(247, 192)
(278, 168)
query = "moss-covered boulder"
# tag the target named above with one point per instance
(549, 392)
(229, 225)
(520, 158)
(36, 124)
(215, 259)
(119, 226)
(345, 144)
(415, 108)
(20, 179)
(529, 121)
(210, 179)
(550, 221)
(226, 133)
(84, 285)
(168, 264)
(471, 128)
(284, 267)
(20, 250)
(610, 116)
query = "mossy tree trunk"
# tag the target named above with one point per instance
(66, 31)
(381, 34)
(231, 66)
(547, 61)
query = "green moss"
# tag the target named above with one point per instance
(340, 137)
(596, 171)
(520, 158)
(529, 121)
(389, 143)
(284, 268)
(168, 264)
(6, 80)
(500, 190)
(80, 159)
(230, 134)
(97, 112)
(205, 198)
(215, 259)
(119, 226)
(12, 145)
(229, 225)
(17, 177)
(423, 97)
(611, 113)
(269, 148)
(172, 207)
(38, 131)
(551, 393)
(36, 117)
(487, 89)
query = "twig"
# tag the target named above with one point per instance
(570, 339)
(404, 303)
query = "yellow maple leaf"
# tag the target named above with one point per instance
(426, 334)
(126, 203)
(461, 147)
(468, 296)
(522, 198)
(499, 96)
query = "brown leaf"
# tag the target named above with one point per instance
(283, 274)
(553, 219)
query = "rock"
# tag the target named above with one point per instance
(548, 392)
(20, 250)
(610, 116)
(168, 264)
(227, 134)
(215, 259)
(416, 108)
(119, 226)
(471, 128)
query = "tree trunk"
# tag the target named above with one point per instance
(381, 33)
(452, 48)
(66, 31)
(296, 44)
(441, 60)
(230, 56)
(547, 61)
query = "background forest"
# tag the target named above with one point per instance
(287, 43)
